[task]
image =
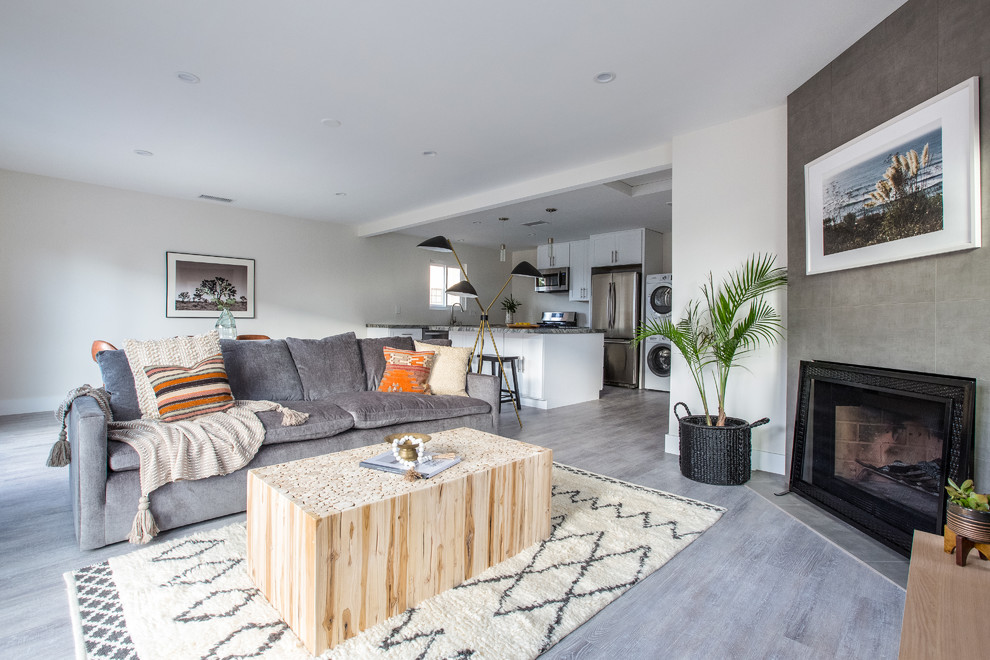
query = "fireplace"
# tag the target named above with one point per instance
(875, 446)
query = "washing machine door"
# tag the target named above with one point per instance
(660, 300)
(658, 360)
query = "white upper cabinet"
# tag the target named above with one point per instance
(580, 271)
(556, 255)
(617, 248)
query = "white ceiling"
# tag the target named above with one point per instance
(502, 91)
(579, 214)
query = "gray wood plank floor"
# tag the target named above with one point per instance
(758, 584)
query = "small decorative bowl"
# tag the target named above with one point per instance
(407, 450)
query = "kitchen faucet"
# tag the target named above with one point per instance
(453, 320)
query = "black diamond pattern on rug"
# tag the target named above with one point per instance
(103, 628)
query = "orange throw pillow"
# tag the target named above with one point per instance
(407, 371)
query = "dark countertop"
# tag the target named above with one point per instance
(474, 328)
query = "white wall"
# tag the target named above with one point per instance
(729, 202)
(80, 262)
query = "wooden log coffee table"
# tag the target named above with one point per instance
(337, 548)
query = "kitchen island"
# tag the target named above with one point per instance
(556, 366)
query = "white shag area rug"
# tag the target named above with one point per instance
(192, 597)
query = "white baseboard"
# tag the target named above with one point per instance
(768, 462)
(761, 460)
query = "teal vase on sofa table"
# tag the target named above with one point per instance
(226, 325)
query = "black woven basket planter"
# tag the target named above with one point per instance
(717, 455)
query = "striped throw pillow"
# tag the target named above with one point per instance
(406, 371)
(185, 393)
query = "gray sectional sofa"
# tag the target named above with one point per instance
(334, 379)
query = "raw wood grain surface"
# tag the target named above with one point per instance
(337, 548)
(945, 610)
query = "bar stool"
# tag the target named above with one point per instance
(505, 395)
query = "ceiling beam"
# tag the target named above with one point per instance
(634, 164)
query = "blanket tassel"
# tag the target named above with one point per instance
(292, 417)
(144, 528)
(61, 452)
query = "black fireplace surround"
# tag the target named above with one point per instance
(874, 446)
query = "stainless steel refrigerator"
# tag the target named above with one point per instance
(615, 309)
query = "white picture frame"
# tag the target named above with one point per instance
(184, 273)
(842, 229)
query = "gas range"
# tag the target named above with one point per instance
(558, 320)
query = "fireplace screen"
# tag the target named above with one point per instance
(874, 446)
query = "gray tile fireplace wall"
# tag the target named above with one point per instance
(930, 314)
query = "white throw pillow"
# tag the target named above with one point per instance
(449, 375)
(178, 351)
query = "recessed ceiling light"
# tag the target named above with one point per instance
(332, 123)
(143, 152)
(429, 154)
(605, 77)
(187, 77)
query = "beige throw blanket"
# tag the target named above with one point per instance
(215, 444)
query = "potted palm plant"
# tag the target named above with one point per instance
(729, 322)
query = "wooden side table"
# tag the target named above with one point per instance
(945, 606)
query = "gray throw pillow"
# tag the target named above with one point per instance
(261, 370)
(373, 357)
(118, 381)
(328, 366)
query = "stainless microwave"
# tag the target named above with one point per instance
(553, 279)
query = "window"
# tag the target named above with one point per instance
(441, 278)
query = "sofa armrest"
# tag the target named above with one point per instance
(485, 387)
(87, 434)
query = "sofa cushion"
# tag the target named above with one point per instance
(328, 366)
(373, 357)
(407, 371)
(122, 457)
(180, 351)
(190, 392)
(261, 370)
(119, 384)
(373, 410)
(325, 420)
(449, 374)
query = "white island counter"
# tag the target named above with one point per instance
(558, 366)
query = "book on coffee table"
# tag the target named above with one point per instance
(388, 463)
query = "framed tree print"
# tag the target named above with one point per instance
(199, 285)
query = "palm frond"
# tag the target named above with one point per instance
(735, 320)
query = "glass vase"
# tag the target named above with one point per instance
(226, 325)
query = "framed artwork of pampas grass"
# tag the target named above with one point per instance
(908, 188)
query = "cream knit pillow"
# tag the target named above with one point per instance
(449, 375)
(178, 351)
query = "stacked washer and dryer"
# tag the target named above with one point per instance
(656, 350)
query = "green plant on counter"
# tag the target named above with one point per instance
(965, 497)
(510, 304)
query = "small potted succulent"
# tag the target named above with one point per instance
(510, 305)
(968, 512)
